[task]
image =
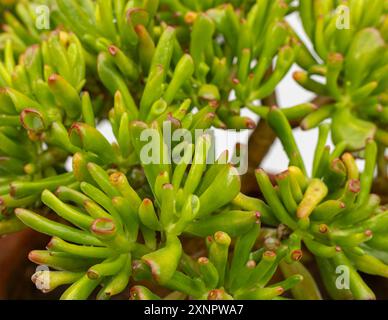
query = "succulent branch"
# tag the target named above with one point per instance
(161, 75)
(331, 212)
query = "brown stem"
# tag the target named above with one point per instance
(259, 144)
(380, 187)
(321, 101)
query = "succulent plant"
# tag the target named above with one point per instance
(155, 210)
(348, 37)
(39, 99)
(242, 276)
(235, 66)
(22, 28)
(332, 212)
(205, 75)
(108, 214)
(100, 246)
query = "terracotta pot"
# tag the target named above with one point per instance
(15, 268)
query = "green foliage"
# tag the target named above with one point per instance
(332, 212)
(117, 220)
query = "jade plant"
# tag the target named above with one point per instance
(244, 275)
(20, 18)
(156, 213)
(40, 99)
(354, 64)
(332, 212)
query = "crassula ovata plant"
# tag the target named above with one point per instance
(157, 213)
